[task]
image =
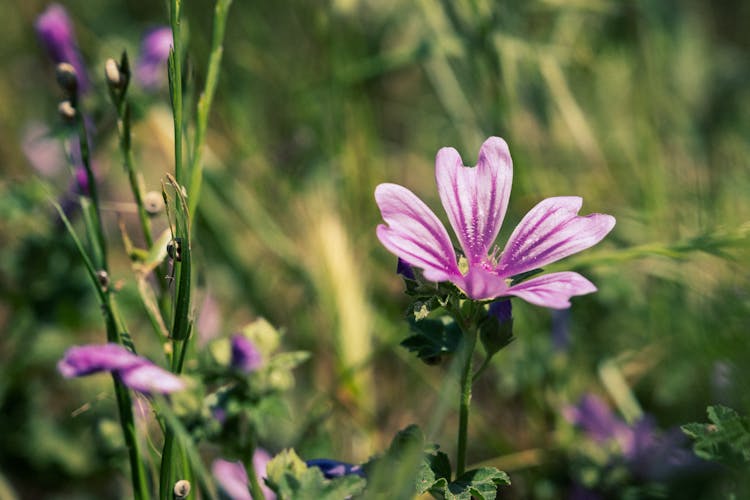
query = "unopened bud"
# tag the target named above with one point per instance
(67, 111)
(181, 489)
(67, 78)
(112, 74)
(153, 202)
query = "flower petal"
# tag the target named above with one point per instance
(551, 231)
(148, 378)
(232, 478)
(481, 284)
(552, 290)
(475, 198)
(87, 359)
(414, 233)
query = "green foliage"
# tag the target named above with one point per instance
(433, 338)
(479, 484)
(725, 439)
(291, 479)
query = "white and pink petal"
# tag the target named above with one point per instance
(414, 233)
(551, 231)
(552, 290)
(475, 199)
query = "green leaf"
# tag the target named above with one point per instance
(433, 338)
(725, 439)
(290, 478)
(480, 484)
(436, 466)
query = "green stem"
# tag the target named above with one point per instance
(176, 87)
(255, 488)
(206, 99)
(469, 342)
(93, 191)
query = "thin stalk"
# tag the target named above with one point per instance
(255, 489)
(175, 86)
(123, 127)
(469, 344)
(93, 191)
(204, 102)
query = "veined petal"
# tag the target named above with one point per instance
(414, 233)
(552, 290)
(551, 231)
(150, 379)
(481, 284)
(475, 199)
(92, 358)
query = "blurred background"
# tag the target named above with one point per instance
(640, 107)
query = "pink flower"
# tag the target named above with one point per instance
(151, 68)
(233, 480)
(476, 200)
(133, 371)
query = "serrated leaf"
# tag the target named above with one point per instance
(725, 439)
(481, 484)
(436, 466)
(291, 479)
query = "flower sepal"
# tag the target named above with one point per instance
(496, 330)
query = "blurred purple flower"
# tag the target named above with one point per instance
(649, 453)
(55, 30)
(332, 468)
(233, 480)
(208, 324)
(476, 200)
(43, 151)
(151, 68)
(561, 330)
(597, 420)
(132, 370)
(245, 356)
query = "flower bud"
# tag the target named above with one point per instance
(67, 111)
(112, 74)
(181, 489)
(67, 78)
(153, 202)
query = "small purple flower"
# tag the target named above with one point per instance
(245, 356)
(476, 200)
(233, 480)
(55, 31)
(597, 420)
(333, 468)
(133, 371)
(151, 68)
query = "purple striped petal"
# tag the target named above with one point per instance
(551, 231)
(87, 359)
(552, 290)
(134, 371)
(414, 233)
(232, 479)
(475, 199)
(150, 379)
